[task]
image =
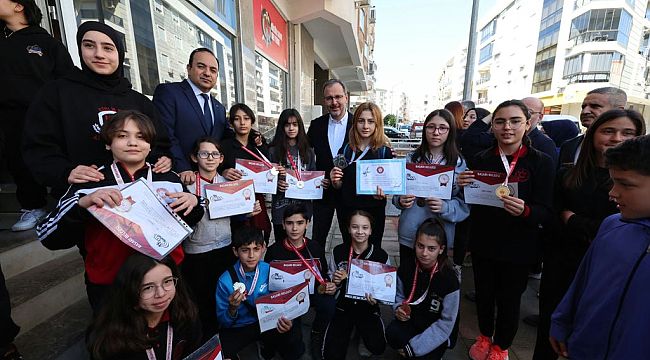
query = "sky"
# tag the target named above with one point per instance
(414, 39)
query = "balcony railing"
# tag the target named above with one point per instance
(586, 77)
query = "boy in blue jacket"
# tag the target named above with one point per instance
(605, 313)
(237, 290)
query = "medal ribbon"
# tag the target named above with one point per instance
(251, 290)
(118, 176)
(350, 258)
(407, 301)
(317, 274)
(199, 190)
(259, 157)
(354, 154)
(513, 163)
(151, 355)
(295, 167)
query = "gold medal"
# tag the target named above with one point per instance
(406, 308)
(502, 190)
(321, 289)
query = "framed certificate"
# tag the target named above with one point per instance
(370, 277)
(311, 185)
(211, 350)
(483, 190)
(266, 182)
(285, 274)
(429, 180)
(144, 221)
(230, 198)
(290, 303)
(389, 174)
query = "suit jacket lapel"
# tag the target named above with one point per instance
(192, 99)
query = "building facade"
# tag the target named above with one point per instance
(273, 54)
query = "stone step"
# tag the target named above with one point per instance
(60, 337)
(45, 290)
(21, 251)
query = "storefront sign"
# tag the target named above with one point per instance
(270, 32)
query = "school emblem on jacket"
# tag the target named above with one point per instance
(102, 116)
(35, 49)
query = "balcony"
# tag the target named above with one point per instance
(588, 77)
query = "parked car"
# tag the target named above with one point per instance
(416, 130)
(393, 133)
(405, 129)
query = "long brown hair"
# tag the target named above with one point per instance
(378, 137)
(456, 109)
(121, 326)
(449, 150)
(588, 158)
(280, 141)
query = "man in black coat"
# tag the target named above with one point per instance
(327, 134)
(595, 103)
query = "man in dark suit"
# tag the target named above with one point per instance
(595, 103)
(327, 134)
(538, 139)
(190, 112)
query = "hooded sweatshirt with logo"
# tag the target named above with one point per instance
(63, 123)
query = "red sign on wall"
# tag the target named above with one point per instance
(270, 32)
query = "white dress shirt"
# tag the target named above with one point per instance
(198, 93)
(336, 133)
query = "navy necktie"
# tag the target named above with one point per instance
(207, 114)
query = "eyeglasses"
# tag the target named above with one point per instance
(148, 291)
(206, 154)
(441, 129)
(332, 98)
(501, 123)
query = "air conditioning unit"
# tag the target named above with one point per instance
(360, 3)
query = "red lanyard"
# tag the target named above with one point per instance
(261, 157)
(151, 355)
(415, 281)
(317, 274)
(350, 258)
(513, 163)
(251, 290)
(294, 166)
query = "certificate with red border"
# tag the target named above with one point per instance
(211, 350)
(482, 190)
(264, 180)
(429, 180)
(288, 273)
(290, 303)
(371, 277)
(230, 198)
(312, 185)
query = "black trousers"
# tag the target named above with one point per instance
(30, 194)
(399, 333)
(323, 216)
(502, 284)
(461, 240)
(556, 279)
(324, 306)
(369, 326)
(289, 345)
(8, 328)
(201, 273)
(379, 216)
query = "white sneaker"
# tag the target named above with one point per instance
(29, 219)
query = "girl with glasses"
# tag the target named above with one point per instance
(505, 241)
(290, 148)
(438, 147)
(207, 250)
(149, 314)
(367, 142)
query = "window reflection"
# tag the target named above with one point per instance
(270, 83)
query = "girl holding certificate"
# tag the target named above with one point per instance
(245, 146)
(505, 242)
(149, 314)
(207, 251)
(290, 148)
(438, 147)
(365, 315)
(367, 142)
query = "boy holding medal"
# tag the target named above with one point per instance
(297, 247)
(604, 314)
(237, 290)
(427, 300)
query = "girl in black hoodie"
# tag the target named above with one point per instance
(61, 143)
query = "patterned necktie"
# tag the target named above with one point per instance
(207, 114)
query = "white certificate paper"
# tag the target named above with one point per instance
(230, 198)
(389, 174)
(429, 180)
(312, 189)
(374, 278)
(144, 221)
(482, 190)
(285, 274)
(265, 182)
(290, 303)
